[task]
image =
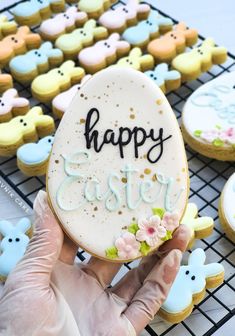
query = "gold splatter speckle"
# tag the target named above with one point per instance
(147, 171)
(95, 209)
(160, 112)
(132, 116)
(82, 121)
(117, 105)
(183, 170)
(119, 212)
(142, 176)
(154, 178)
(145, 156)
(82, 94)
(159, 101)
(178, 179)
(133, 218)
(124, 180)
(57, 161)
(131, 109)
(124, 227)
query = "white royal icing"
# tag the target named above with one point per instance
(229, 201)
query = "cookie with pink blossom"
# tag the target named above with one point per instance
(208, 122)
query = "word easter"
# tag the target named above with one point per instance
(125, 136)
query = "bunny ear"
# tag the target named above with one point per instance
(132, 2)
(34, 112)
(10, 94)
(24, 225)
(153, 15)
(23, 31)
(181, 26)
(143, 8)
(67, 66)
(114, 37)
(197, 257)
(5, 227)
(46, 46)
(136, 52)
(212, 270)
(72, 10)
(209, 42)
(90, 25)
(190, 213)
(161, 68)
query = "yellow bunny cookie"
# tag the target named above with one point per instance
(73, 42)
(45, 87)
(7, 27)
(137, 60)
(191, 64)
(23, 129)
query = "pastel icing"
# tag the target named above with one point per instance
(118, 165)
(64, 99)
(94, 6)
(228, 201)
(35, 153)
(120, 15)
(103, 50)
(6, 26)
(214, 100)
(5, 81)
(79, 37)
(10, 100)
(13, 244)
(161, 74)
(190, 280)
(61, 22)
(136, 60)
(31, 7)
(142, 32)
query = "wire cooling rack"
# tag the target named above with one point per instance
(207, 180)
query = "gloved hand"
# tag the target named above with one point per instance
(47, 294)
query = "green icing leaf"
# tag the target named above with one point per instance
(111, 252)
(158, 212)
(218, 127)
(167, 236)
(218, 143)
(197, 133)
(133, 228)
(144, 248)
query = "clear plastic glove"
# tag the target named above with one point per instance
(47, 294)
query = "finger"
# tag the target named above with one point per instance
(69, 251)
(133, 280)
(154, 291)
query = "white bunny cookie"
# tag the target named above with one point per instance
(200, 227)
(189, 286)
(12, 105)
(137, 60)
(103, 53)
(13, 244)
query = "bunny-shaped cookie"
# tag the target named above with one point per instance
(73, 42)
(24, 129)
(94, 8)
(200, 227)
(12, 105)
(6, 27)
(13, 244)
(62, 23)
(191, 64)
(32, 158)
(167, 80)
(46, 87)
(146, 30)
(103, 53)
(26, 67)
(61, 102)
(137, 60)
(6, 82)
(189, 286)
(122, 16)
(17, 44)
(32, 12)
(166, 47)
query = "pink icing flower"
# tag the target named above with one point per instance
(150, 230)
(170, 221)
(127, 246)
(229, 135)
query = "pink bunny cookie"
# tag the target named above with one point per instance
(62, 23)
(125, 15)
(61, 102)
(103, 53)
(11, 105)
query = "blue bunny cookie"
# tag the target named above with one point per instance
(189, 286)
(167, 80)
(13, 244)
(32, 158)
(147, 30)
(25, 68)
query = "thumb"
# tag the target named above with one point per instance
(44, 247)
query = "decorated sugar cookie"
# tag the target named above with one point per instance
(227, 208)
(208, 121)
(191, 64)
(122, 16)
(12, 105)
(94, 8)
(146, 30)
(62, 23)
(189, 286)
(6, 82)
(166, 79)
(13, 244)
(117, 176)
(103, 53)
(200, 227)
(136, 60)
(61, 102)
(6, 27)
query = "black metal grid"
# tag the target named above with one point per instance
(207, 179)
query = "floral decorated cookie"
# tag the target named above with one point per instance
(122, 16)
(189, 286)
(94, 8)
(191, 64)
(208, 121)
(62, 23)
(136, 60)
(117, 175)
(12, 105)
(7, 27)
(13, 244)
(227, 209)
